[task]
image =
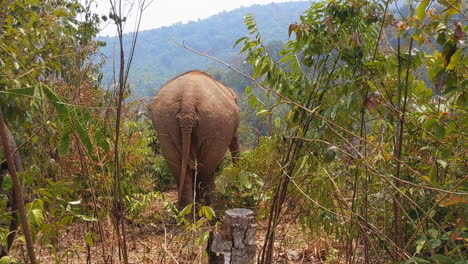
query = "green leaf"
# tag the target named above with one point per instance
(418, 248)
(454, 60)
(243, 178)
(450, 89)
(101, 140)
(64, 144)
(439, 131)
(35, 213)
(206, 211)
(253, 101)
(443, 259)
(204, 237)
(429, 123)
(434, 243)
(60, 11)
(442, 163)
(330, 154)
(200, 223)
(248, 90)
(421, 10)
(277, 122)
(240, 40)
(187, 209)
(84, 137)
(434, 233)
(433, 175)
(66, 220)
(7, 183)
(8, 260)
(38, 216)
(29, 91)
(86, 218)
(38, 204)
(417, 260)
(89, 239)
(263, 112)
(58, 103)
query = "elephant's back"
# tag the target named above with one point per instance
(199, 92)
(195, 84)
(198, 99)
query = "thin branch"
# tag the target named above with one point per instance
(59, 102)
(456, 9)
(165, 245)
(381, 29)
(118, 201)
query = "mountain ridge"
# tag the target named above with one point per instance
(157, 58)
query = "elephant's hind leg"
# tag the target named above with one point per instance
(173, 160)
(205, 185)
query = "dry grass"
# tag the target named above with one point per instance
(155, 238)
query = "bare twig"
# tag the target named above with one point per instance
(118, 200)
(165, 246)
(59, 102)
(124, 70)
(398, 220)
(456, 9)
(381, 29)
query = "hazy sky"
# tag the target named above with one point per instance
(167, 12)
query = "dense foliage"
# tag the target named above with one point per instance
(375, 141)
(62, 119)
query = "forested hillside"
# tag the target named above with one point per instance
(158, 58)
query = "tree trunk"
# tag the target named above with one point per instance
(19, 199)
(236, 242)
(11, 202)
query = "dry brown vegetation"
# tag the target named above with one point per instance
(156, 238)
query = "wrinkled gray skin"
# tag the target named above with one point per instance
(11, 203)
(196, 120)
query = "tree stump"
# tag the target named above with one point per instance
(236, 241)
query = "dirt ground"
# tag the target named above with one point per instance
(156, 238)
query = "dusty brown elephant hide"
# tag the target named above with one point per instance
(196, 120)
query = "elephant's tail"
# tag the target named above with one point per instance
(187, 120)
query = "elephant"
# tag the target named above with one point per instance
(196, 120)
